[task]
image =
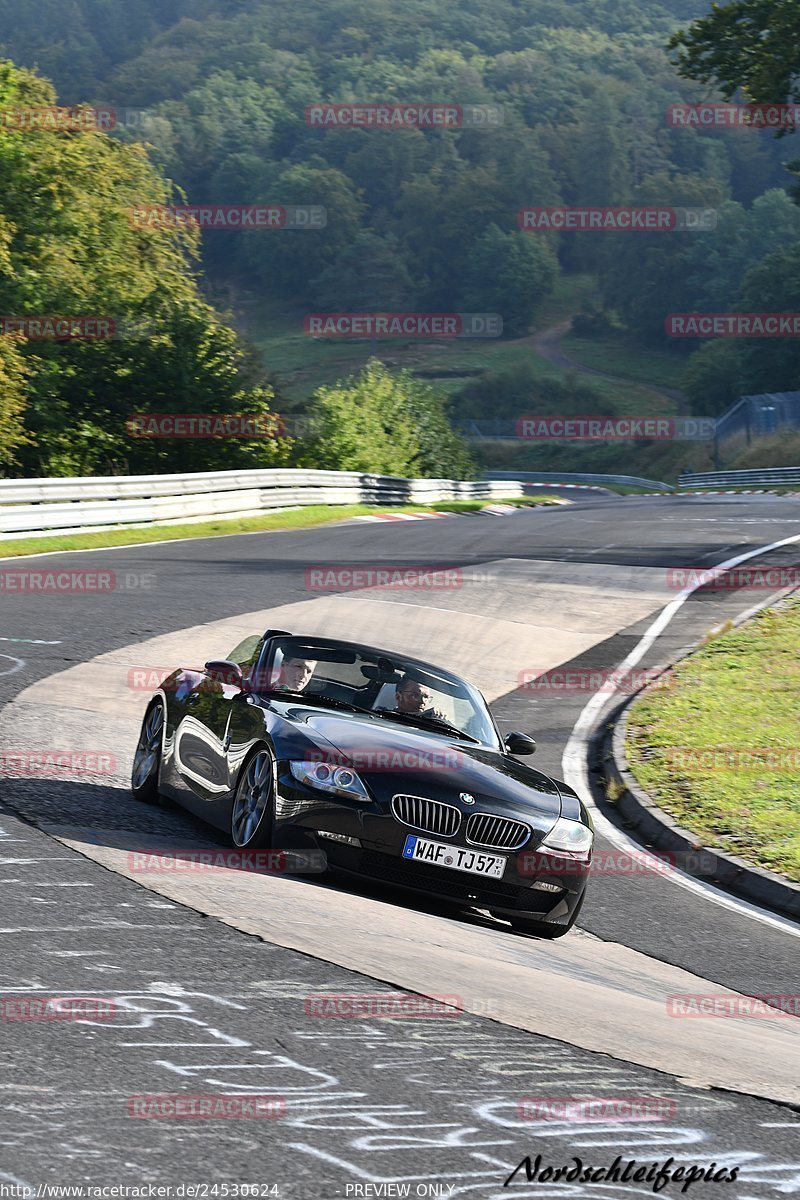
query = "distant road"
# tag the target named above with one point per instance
(547, 343)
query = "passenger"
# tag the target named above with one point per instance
(295, 674)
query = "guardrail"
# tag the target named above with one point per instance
(761, 477)
(38, 507)
(571, 477)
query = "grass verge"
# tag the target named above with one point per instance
(301, 518)
(621, 355)
(719, 750)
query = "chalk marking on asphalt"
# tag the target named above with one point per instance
(575, 757)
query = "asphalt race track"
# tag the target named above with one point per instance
(211, 972)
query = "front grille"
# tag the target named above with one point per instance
(497, 833)
(429, 815)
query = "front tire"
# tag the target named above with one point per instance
(253, 812)
(147, 757)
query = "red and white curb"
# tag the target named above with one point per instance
(421, 516)
(727, 492)
(580, 487)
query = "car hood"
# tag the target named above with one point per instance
(389, 756)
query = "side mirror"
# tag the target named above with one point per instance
(519, 743)
(221, 670)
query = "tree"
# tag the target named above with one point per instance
(749, 45)
(509, 273)
(752, 46)
(286, 260)
(719, 371)
(713, 377)
(520, 391)
(77, 239)
(369, 275)
(646, 275)
(772, 364)
(13, 374)
(385, 424)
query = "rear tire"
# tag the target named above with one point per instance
(253, 809)
(147, 757)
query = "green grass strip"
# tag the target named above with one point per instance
(720, 749)
(301, 518)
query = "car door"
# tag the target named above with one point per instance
(201, 739)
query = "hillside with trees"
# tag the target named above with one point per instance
(212, 94)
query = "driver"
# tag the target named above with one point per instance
(295, 674)
(413, 699)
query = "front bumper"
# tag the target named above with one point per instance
(533, 884)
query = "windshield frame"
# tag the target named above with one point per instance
(456, 686)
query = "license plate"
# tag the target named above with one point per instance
(476, 862)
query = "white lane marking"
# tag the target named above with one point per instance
(575, 766)
(711, 553)
(33, 883)
(24, 862)
(72, 953)
(19, 664)
(30, 641)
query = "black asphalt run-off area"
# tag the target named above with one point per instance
(203, 1008)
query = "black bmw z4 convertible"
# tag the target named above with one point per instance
(387, 767)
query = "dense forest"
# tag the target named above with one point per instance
(422, 220)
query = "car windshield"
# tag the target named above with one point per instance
(387, 685)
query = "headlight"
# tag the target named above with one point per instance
(569, 837)
(339, 781)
